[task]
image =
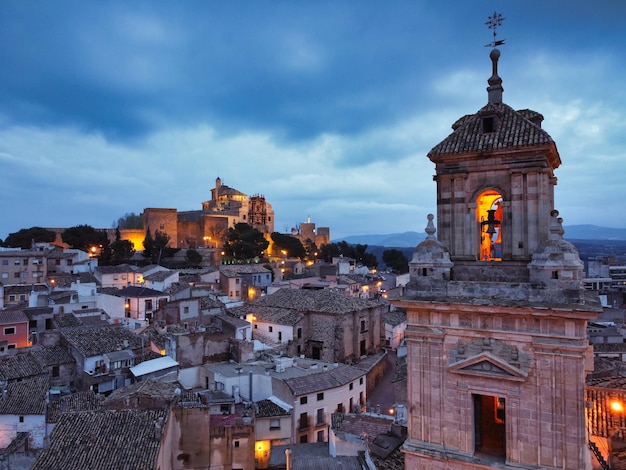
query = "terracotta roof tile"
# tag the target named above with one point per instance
(12, 315)
(92, 341)
(267, 409)
(80, 401)
(101, 440)
(324, 380)
(27, 397)
(51, 356)
(19, 366)
(324, 301)
(516, 129)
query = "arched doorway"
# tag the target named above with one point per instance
(489, 217)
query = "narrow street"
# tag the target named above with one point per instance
(382, 398)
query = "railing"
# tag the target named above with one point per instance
(599, 456)
(304, 424)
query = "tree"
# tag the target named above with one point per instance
(244, 243)
(120, 251)
(157, 248)
(193, 257)
(289, 244)
(365, 258)
(311, 250)
(129, 221)
(396, 260)
(343, 248)
(85, 238)
(26, 236)
(148, 245)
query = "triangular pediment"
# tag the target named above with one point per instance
(486, 364)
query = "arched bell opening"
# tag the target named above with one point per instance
(489, 217)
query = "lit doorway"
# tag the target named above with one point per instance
(489, 425)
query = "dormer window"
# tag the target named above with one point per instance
(489, 124)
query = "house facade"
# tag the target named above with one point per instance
(244, 281)
(23, 266)
(319, 324)
(14, 332)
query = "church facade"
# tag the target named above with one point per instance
(496, 308)
(209, 226)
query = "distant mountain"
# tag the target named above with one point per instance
(593, 232)
(412, 239)
(406, 239)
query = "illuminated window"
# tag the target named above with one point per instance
(489, 217)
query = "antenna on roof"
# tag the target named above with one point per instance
(492, 23)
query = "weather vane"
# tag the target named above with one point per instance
(492, 23)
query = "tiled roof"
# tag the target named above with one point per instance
(51, 356)
(80, 401)
(33, 312)
(93, 341)
(120, 268)
(27, 397)
(235, 270)
(159, 276)
(102, 440)
(207, 303)
(276, 315)
(514, 130)
(313, 456)
(394, 317)
(12, 315)
(305, 300)
(324, 380)
(231, 320)
(25, 288)
(137, 291)
(66, 320)
(18, 367)
(167, 392)
(66, 280)
(267, 409)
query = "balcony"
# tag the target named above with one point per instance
(304, 424)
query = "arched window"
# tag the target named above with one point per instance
(489, 217)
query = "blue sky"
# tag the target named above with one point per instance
(328, 108)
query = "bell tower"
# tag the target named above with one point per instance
(496, 308)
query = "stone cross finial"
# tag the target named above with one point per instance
(430, 227)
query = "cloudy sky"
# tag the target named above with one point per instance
(328, 108)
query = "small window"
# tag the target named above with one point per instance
(236, 443)
(321, 417)
(303, 400)
(5, 262)
(271, 328)
(351, 385)
(361, 381)
(299, 333)
(489, 124)
(9, 330)
(320, 396)
(21, 419)
(274, 424)
(55, 371)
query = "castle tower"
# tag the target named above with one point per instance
(496, 309)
